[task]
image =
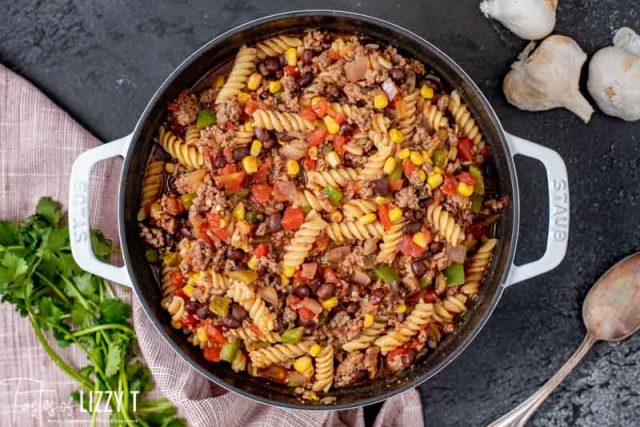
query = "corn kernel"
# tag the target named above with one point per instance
(289, 271)
(328, 304)
(291, 55)
(188, 289)
(254, 81)
(368, 320)
(333, 159)
(169, 167)
(395, 214)
(243, 97)
(368, 218)
(218, 82)
(315, 350)
(313, 152)
(381, 200)
(389, 165)
(434, 181)
(420, 239)
(248, 126)
(332, 126)
(250, 164)
(256, 147)
(301, 364)
(155, 209)
(380, 101)
(202, 335)
(426, 92)
(465, 189)
(275, 87)
(422, 175)
(253, 263)
(315, 99)
(437, 170)
(453, 153)
(416, 158)
(284, 279)
(222, 223)
(404, 153)
(396, 136)
(426, 156)
(239, 211)
(293, 168)
(400, 308)
(335, 216)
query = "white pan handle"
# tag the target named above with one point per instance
(79, 227)
(558, 234)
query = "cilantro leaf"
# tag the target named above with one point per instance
(114, 357)
(85, 284)
(49, 210)
(8, 233)
(57, 239)
(50, 311)
(12, 268)
(101, 246)
(114, 311)
(80, 316)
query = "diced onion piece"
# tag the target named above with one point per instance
(312, 305)
(338, 254)
(390, 89)
(288, 190)
(356, 69)
(457, 254)
(269, 294)
(294, 150)
(308, 271)
(295, 379)
(360, 277)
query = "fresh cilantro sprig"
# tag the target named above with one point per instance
(40, 278)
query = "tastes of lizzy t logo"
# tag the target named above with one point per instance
(107, 401)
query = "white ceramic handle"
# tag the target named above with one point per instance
(558, 232)
(79, 227)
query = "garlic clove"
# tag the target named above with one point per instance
(614, 76)
(548, 77)
(528, 19)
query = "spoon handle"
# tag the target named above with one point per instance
(519, 416)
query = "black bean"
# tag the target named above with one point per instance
(235, 254)
(262, 69)
(261, 133)
(220, 161)
(348, 162)
(314, 285)
(306, 79)
(418, 268)
(325, 291)
(262, 270)
(203, 311)
(278, 74)
(307, 56)
(352, 307)
(240, 153)
(279, 325)
(238, 312)
(275, 222)
(284, 137)
(360, 375)
(380, 186)
(346, 129)
(307, 323)
(272, 63)
(231, 322)
(408, 359)
(397, 74)
(409, 215)
(269, 143)
(376, 296)
(436, 247)
(412, 228)
(302, 291)
(191, 306)
(419, 215)
(332, 92)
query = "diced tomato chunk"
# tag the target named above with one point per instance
(309, 164)
(215, 228)
(317, 137)
(338, 116)
(467, 178)
(306, 314)
(191, 321)
(261, 192)
(334, 55)
(309, 114)
(329, 275)
(429, 296)
(408, 168)
(339, 142)
(212, 354)
(383, 215)
(213, 333)
(395, 185)
(465, 149)
(321, 107)
(233, 181)
(262, 250)
(450, 185)
(177, 279)
(291, 70)
(251, 106)
(292, 219)
(409, 248)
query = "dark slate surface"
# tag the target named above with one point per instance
(102, 60)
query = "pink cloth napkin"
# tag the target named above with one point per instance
(38, 144)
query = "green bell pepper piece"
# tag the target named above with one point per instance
(334, 195)
(220, 306)
(205, 118)
(151, 255)
(440, 157)
(476, 174)
(386, 274)
(250, 217)
(476, 204)
(397, 172)
(187, 200)
(229, 351)
(455, 275)
(292, 336)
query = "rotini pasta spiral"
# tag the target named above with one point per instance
(324, 369)
(343, 231)
(476, 266)
(444, 311)
(464, 118)
(444, 224)
(298, 249)
(332, 177)
(243, 67)
(241, 293)
(176, 310)
(239, 363)
(168, 288)
(188, 156)
(242, 138)
(248, 334)
(280, 121)
(407, 124)
(418, 319)
(372, 169)
(355, 208)
(380, 123)
(192, 136)
(433, 117)
(390, 242)
(152, 183)
(279, 353)
(378, 62)
(367, 336)
(277, 45)
(317, 203)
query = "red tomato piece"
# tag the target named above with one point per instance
(173, 106)
(383, 215)
(321, 243)
(213, 333)
(261, 192)
(177, 279)
(309, 164)
(429, 296)
(338, 116)
(450, 185)
(292, 219)
(329, 275)
(321, 107)
(339, 142)
(334, 55)
(190, 322)
(233, 181)
(262, 250)
(214, 227)
(465, 149)
(467, 178)
(408, 167)
(317, 137)
(309, 114)
(212, 354)
(293, 302)
(409, 248)
(396, 184)
(261, 176)
(306, 314)
(291, 70)
(251, 106)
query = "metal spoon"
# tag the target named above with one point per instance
(611, 312)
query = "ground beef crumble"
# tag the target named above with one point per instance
(228, 111)
(152, 236)
(187, 110)
(406, 198)
(346, 370)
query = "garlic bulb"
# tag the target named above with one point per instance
(529, 19)
(548, 77)
(614, 76)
